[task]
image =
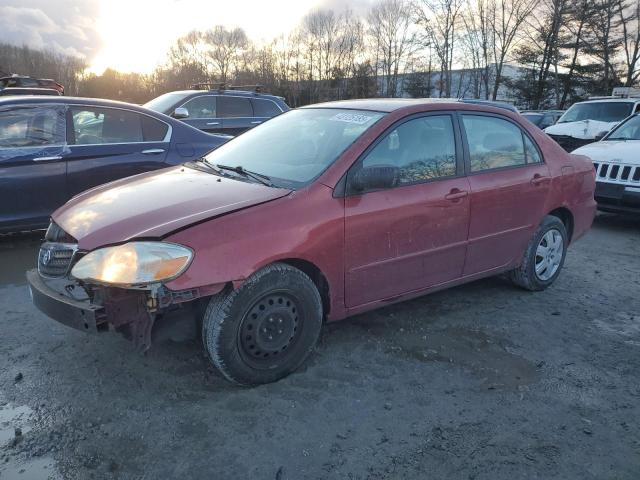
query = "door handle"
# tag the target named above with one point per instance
(256, 122)
(213, 123)
(47, 159)
(153, 151)
(538, 179)
(456, 194)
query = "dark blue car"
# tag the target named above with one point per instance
(220, 110)
(52, 148)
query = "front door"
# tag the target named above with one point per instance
(509, 186)
(110, 143)
(203, 114)
(32, 165)
(414, 235)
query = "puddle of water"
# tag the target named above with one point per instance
(36, 469)
(12, 417)
(18, 253)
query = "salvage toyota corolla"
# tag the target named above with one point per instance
(318, 214)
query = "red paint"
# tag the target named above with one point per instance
(372, 248)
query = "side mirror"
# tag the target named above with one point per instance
(180, 112)
(375, 178)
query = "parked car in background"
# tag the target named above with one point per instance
(543, 118)
(223, 110)
(589, 121)
(22, 81)
(5, 92)
(616, 159)
(323, 212)
(52, 148)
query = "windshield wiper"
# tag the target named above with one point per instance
(258, 177)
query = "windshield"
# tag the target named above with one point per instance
(629, 130)
(600, 111)
(534, 118)
(163, 103)
(295, 147)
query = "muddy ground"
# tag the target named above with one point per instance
(483, 381)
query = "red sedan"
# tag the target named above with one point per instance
(318, 214)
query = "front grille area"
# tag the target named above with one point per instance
(617, 173)
(570, 143)
(54, 259)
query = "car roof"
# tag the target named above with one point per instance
(609, 100)
(232, 93)
(31, 99)
(388, 105)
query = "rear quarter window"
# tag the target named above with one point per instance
(265, 108)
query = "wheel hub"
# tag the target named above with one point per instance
(549, 254)
(270, 327)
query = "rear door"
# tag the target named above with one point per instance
(203, 114)
(237, 114)
(509, 186)
(414, 235)
(32, 164)
(111, 143)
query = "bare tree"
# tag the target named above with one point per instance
(476, 41)
(390, 28)
(440, 20)
(630, 23)
(224, 48)
(509, 16)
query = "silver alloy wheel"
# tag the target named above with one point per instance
(549, 254)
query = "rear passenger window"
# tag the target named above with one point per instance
(234, 107)
(533, 156)
(96, 125)
(265, 108)
(153, 130)
(423, 149)
(493, 143)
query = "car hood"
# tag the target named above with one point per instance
(584, 129)
(154, 204)
(617, 151)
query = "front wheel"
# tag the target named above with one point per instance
(266, 328)
(544, 256)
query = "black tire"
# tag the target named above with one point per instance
(266, 328)
(525, 275)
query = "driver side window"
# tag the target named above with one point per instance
(422, 149)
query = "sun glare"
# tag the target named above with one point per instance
(137, 34)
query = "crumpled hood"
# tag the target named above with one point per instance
(154, 204)
(618, 151)
(584, 129)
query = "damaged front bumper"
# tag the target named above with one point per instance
(131, 312)
(62, 307)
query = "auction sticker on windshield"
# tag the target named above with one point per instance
(357, 118)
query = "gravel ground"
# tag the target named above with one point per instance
(483, 381)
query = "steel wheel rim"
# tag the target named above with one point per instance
(269, 329)
(549, 254)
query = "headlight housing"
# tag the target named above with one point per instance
(133, 263)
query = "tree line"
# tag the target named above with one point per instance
(568, 49)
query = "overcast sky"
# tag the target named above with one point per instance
(134, 35)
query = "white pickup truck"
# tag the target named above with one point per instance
(616, 159)
(586, 122)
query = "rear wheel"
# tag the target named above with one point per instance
(266, 328)
(544, 256)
